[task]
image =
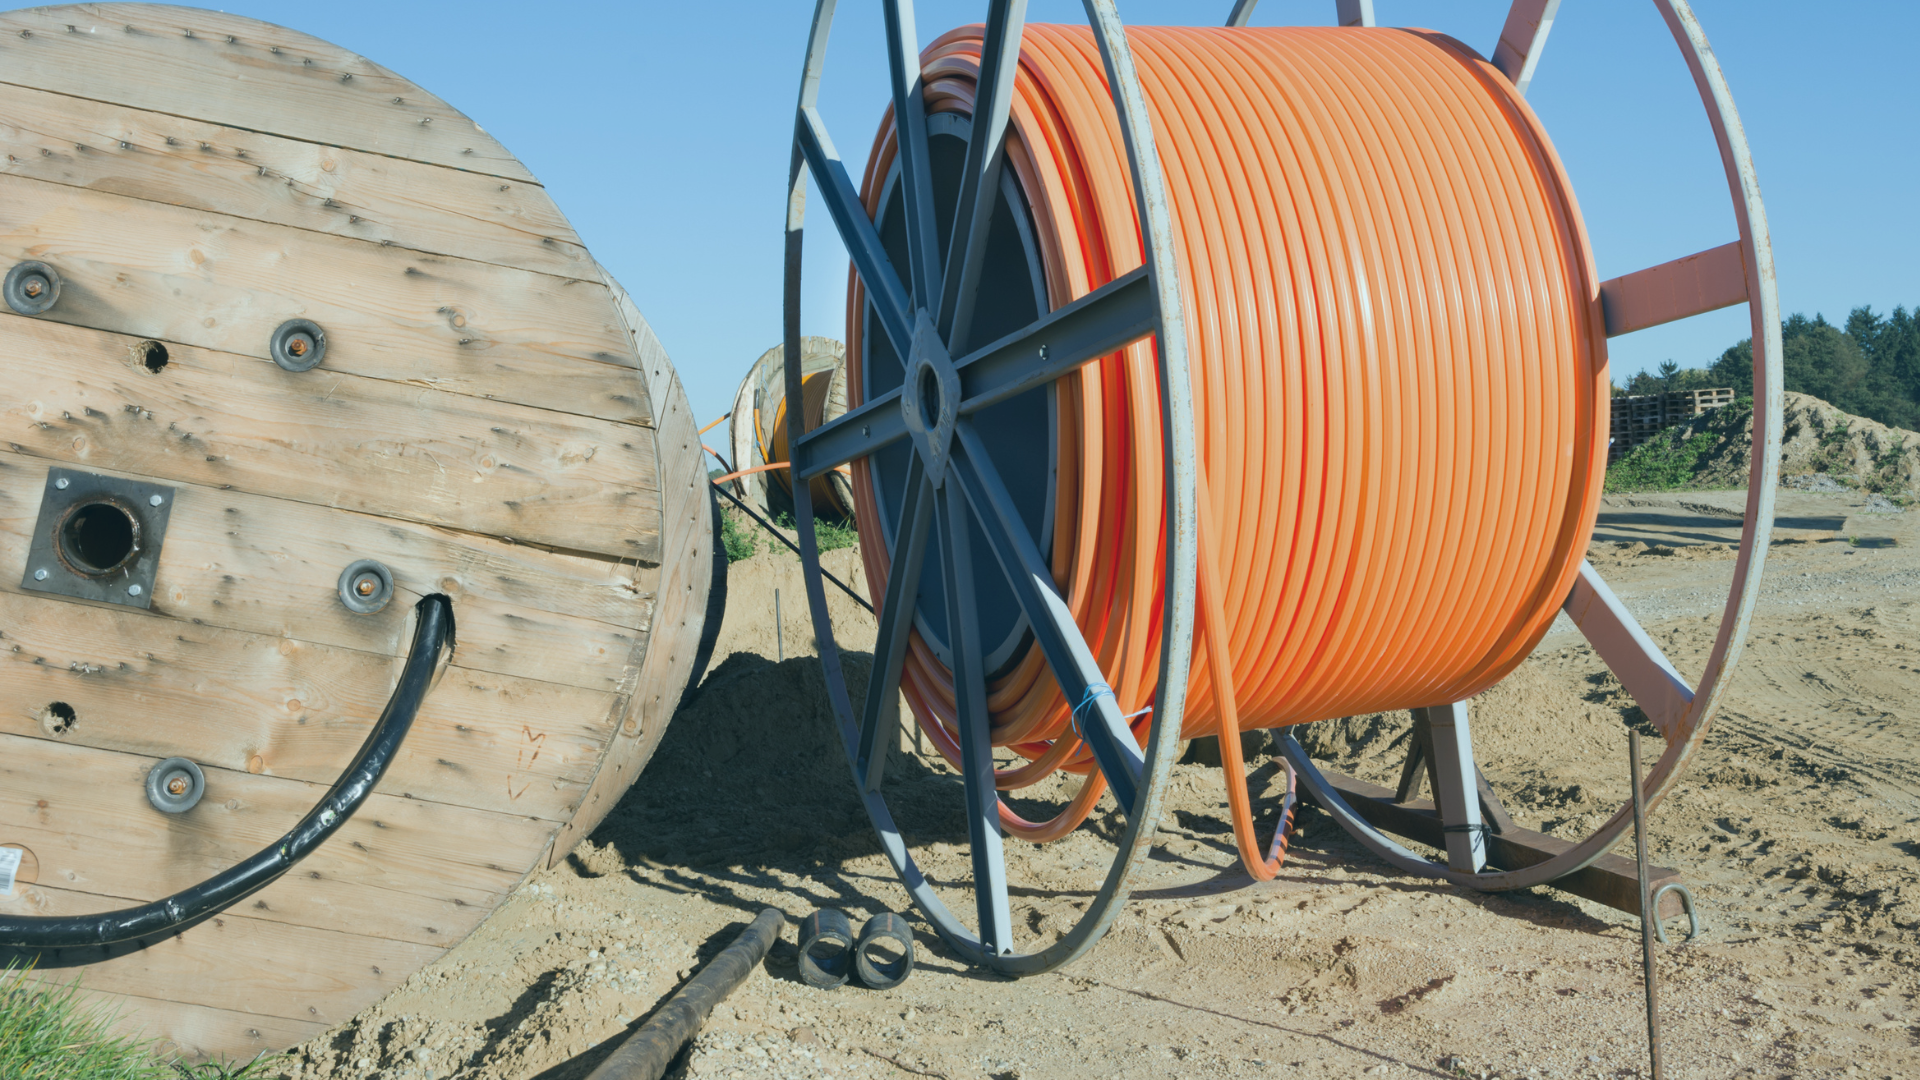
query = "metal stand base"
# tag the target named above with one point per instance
(1610, 880)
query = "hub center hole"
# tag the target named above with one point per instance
(929, 396)
(98, 538)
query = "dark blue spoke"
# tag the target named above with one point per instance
(880, 720)
(975, 735)
(910, 129)
(980, 183)
(1118, 313)
(891, 304)
(1242, 11)
(853, 434)
(1098, 719)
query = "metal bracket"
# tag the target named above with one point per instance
(98, 538)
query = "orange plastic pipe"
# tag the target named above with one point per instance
(1399, 375)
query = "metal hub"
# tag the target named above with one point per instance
(930, 398)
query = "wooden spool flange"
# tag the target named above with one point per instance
(491, 420)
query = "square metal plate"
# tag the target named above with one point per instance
(86, 516)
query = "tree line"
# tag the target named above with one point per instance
(1870, 367)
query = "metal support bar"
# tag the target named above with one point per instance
(1611, 879)
(1705, 281)
(1354, 12)
(1517, 53)
(1458, 785)
(1641, 667)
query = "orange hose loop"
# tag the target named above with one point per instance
(724, 417)
(738, 473)
(1399, 380)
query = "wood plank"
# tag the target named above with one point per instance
(285, 707)
(169, 159)
(403, 869)
(198, 1033)
(377, 447)
(1702, 282)
(246, 562)
(237, 71)
(1611, 880)
(189, 277)
(687, 566)
(244, 965)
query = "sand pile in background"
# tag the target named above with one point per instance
(1816, 438)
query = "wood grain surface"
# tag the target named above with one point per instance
(493, 420)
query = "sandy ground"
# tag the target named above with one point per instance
(1799, 831)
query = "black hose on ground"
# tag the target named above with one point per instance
(647, 1052)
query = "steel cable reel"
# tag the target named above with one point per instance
(952, 481)
(951, 382)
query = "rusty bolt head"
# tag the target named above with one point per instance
(34, 288)
(177, 785)
(366, 585)
(298, 346)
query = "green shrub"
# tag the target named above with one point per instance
(1666, 462)
(830, 535)
(737, 538)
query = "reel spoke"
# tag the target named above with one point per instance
(1354, 12)
(1643, 669)
(1097, 718)
(1242, 11)
(975, 735)
(980, 182)
(1518, 52)
(1115, 315)
(891, 304)
(1694, 285)
(857, 433)
(910, 120)
(881, 717)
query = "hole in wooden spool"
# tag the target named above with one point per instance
(153, 355)
(98, 538)
(57, 718)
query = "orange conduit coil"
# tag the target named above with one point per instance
(814, 391)
(1399, 378)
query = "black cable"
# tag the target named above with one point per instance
(646, 1053)
(432, 635)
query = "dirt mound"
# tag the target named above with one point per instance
(1816, 439)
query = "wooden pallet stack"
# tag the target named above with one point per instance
(1639, 417)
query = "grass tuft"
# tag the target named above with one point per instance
(48, 1033)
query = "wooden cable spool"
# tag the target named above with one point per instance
(307, 318)
(1307, 333)
(759, 427)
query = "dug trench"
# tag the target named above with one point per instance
(1798, 829)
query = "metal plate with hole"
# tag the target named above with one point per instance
(31, 288)
(98, 538)
(298, 345)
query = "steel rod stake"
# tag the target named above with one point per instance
(1647, 915)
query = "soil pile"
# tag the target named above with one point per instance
(1817, 438)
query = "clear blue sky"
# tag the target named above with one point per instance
(662, 130)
